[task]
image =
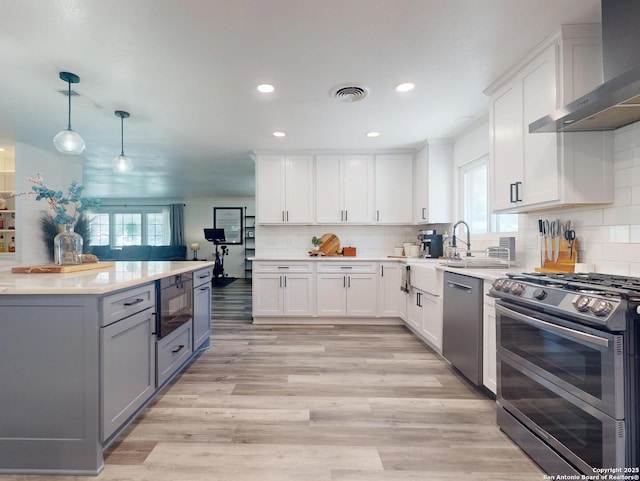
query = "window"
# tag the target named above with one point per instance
(138, 226)
(474, 199)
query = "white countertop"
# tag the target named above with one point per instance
(122, 275)
(482, 273)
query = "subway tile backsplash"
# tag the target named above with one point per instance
(609, 235)
(295, 240)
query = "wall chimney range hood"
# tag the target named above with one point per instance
(616, 102)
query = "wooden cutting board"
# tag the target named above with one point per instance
(330, 244)
(56, 269)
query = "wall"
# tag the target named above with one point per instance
(198, 215)
(609, 235)
(58, 171)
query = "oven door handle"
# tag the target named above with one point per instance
(547, 326)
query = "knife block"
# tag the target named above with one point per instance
(565, 263)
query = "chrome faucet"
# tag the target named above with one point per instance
(453, 238)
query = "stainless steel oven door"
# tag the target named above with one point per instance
(583, 361)
(584, 436)
(176, 303)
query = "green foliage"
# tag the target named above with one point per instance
(316, 241)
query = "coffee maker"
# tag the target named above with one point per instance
(430, 243)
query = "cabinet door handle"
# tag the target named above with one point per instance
(348, 281)
(512, 197)
(418, 299)
(285, 281)
(518, 184)
(341, 215)
(132, 303)
(381, 271)
(180, 348)
(280, 281)
(344, 281)
(346, 215)
(377, 216)
(424, 213)
(282, 216)
(287, 216)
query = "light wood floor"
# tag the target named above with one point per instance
(316, 403)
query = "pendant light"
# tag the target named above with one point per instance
(122, 164)
(67, 141)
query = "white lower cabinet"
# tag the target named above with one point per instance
(347, 289)
(283, 289)
(424, 316)
(389, 293)
(489, 335)
(128, 366)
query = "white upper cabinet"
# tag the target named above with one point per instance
(542, 170)
(284, 189)
(394, 195)
(344, 189)
(433, 184)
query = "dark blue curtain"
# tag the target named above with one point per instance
(176, 221)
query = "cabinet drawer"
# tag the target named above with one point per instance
(126, 303)
(282, 267)
(172, 351)
(202, 276)
(348, 267)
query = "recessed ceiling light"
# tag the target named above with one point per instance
(266, 88)
(279, 134)
(404, 87)
(372, 135)
(1, 149)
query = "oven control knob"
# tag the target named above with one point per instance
(517, 288)
(506, 285)
(539, 294)
(581, 303)
(601, 308)
(497, 284)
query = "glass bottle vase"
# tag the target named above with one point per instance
(67, 246)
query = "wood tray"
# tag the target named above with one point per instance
(56, 269)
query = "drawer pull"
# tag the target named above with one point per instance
(204, 288)
(346, 267)
(178, 349)
(206, 276)
(131, 303)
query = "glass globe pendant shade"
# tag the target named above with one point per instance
(122, 164)
(69, 142)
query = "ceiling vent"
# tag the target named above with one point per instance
(350, 93)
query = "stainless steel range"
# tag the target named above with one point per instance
(568, 367)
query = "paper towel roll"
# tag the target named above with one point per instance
(584, 267)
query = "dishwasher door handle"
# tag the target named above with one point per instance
(457, 285)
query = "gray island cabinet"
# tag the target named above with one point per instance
(77, 362)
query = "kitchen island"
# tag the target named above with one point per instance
(78, 361)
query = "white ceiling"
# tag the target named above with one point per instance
(187, 72)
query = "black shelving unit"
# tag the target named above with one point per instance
(249, 242)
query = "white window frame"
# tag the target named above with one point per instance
(143, 210)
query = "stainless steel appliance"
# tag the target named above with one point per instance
(462, 324)
(568, 367)
(175, 303)
(430, 243)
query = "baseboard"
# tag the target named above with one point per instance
(362, 321)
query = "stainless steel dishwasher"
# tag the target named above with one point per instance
(462, 324)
